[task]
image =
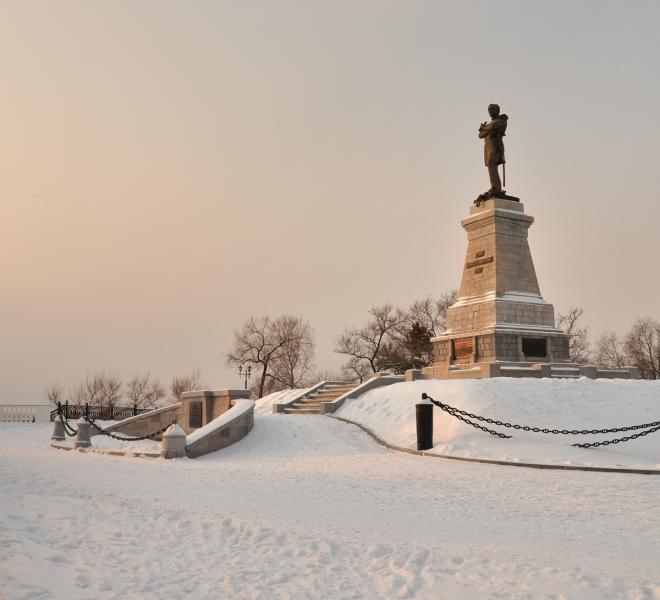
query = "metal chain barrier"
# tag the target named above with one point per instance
(127, 439)
(619, 440)
(466, 416)
(543, 429)
(454, 412)
(70, 431)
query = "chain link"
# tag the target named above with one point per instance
(465, 416)
(543, 429)
(127, 439)
(454, 412)
(619, 440)
(70, 431)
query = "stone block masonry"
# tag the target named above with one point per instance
(500, 325)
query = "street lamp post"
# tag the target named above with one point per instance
(246, 373)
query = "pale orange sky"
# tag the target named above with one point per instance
(168, 169)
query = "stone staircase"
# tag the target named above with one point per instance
(310, 404)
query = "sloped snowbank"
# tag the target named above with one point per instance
(264, 406)
(551, 403)
(239, 408)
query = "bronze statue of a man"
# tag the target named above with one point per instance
(492, 134)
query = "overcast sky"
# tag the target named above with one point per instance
(168, 169)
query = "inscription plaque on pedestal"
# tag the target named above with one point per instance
(463, 349)
(195, 415)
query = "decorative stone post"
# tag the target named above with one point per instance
(58, 430)
(83, 439)
(174, 442)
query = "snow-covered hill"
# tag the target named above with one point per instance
(545, 403)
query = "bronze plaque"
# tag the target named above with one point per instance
(480, 254)
(195, 415)
(463, 348)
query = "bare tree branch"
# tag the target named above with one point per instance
(185, 383)
(569, 323)
(642, 345)
(281, 349)
(55, 393)
(142, 391)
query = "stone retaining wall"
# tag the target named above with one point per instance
(146, 423)
(233, 426)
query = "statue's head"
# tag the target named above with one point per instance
(494, 110)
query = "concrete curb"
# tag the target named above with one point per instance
(495, 462)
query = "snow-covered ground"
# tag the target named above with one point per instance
(545, 403)
(311, 507)
(264, 406)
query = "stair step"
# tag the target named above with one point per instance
(331, 394)
(311, 404)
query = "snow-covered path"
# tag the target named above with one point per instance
(310, 507)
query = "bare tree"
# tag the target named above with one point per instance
(78, 394)
(642, 345)
(93, 388)
(569, 323)
(264, 343)
(356, 369)
(142, 391)
(184, 383)
(431, 313)
(55, 393)
(111, 390)
(367, 345)
(292, 365)
(610, 353)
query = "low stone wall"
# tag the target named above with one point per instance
(200, 407)
(146, 423)
(535, 370)
(225, 430)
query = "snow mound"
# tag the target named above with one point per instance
(102, 442)
(545, 403)
(264, 406)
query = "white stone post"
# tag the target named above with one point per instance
(58, 430)
(174, 442)
(83, 439)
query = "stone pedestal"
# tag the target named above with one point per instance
(58, 430)
(500, 315)
(83, 438)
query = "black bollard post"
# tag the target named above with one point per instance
(424, 424)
